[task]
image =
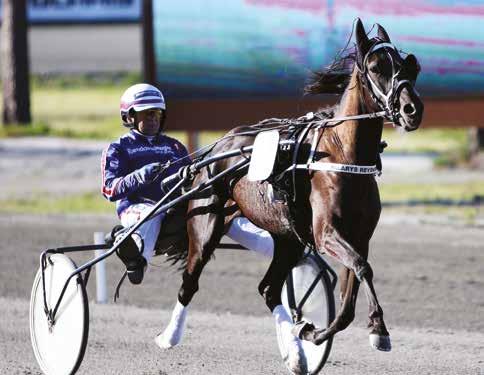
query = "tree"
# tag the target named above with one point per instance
(15, 63)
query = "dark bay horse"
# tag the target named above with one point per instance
(334, 211)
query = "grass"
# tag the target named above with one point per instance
(426, 140)
(465, 191)
(79, 112)
(45, 204)
(36, 129)
(465, 215)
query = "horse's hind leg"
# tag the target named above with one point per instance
(205, 229)
(286, 255)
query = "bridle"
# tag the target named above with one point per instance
(387, 102)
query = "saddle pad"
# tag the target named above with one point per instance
(263, 155)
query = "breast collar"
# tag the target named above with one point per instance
(325, 166)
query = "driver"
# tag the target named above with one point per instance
(132, 169)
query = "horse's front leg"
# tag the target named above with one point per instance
(205, 229)
(331, 242)
(349, 293)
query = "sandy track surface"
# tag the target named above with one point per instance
(121, 342)
(430, 281)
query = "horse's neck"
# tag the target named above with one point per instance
(357, 141)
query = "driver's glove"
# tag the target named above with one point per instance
(149, 173)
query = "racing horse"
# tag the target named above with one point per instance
(331, 203)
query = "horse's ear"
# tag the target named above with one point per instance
(382, 34)
(412, 67)
(362, 42)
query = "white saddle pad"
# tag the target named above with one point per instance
(263, 155)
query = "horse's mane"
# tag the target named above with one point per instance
(334, 78)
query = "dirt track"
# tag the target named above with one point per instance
(429, 280)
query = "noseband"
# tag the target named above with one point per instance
(387, 102)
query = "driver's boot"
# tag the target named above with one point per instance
(135, 263)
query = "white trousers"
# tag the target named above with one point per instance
(147, 234)
(241, 230)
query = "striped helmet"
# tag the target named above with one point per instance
(140, 97)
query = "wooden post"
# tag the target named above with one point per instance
(476, 140)
(149, 72)
(476, 147)
(193, 141)
(15, 63)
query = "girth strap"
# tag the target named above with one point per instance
(335, 167)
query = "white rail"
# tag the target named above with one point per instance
(101, 283)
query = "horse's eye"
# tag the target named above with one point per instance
(374, 68)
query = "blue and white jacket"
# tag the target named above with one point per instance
(131, 152)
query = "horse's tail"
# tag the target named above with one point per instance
(178, 257)
(173, 238)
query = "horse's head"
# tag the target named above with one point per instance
(389, 78)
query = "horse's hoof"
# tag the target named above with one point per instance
(300, 328)
(382, 343)
(163, 342)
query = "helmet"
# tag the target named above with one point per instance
(138, 98)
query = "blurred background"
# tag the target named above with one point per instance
(221, 64)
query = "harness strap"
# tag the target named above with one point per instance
(300, 140)
(331, 167)
(336, 167)
(349, 118)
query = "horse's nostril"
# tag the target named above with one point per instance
(409, 109)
